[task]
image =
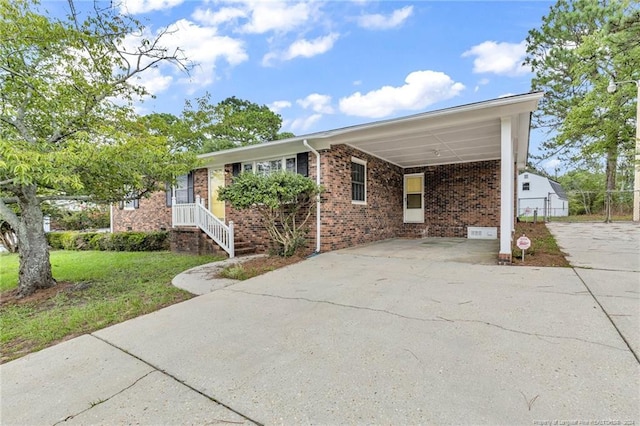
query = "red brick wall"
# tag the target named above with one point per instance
(153, 213)
(345, 224)
(458, 196)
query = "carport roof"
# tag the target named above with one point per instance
(461, 134)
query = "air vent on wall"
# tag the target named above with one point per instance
(482, 233)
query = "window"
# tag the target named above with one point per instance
(266, 167)
(181, 189)
(358, 181)
(525, 186)
(131, 202)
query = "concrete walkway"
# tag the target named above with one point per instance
(606, 257)
(378, 334)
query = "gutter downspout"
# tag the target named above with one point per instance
(318, 196)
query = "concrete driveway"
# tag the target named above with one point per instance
(606, 257)
(379, 334)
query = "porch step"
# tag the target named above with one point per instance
(243, 248)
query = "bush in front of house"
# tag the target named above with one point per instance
(121, 241)
(284, 200)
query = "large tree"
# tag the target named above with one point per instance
(230, 123)
(580, 46)
(67, 124)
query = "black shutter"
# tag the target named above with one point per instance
(136, 203)
(121, 205)
(169, 194)
(302, 162)
(191, 196)
(235, 169)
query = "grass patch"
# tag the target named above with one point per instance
(581, 218)
(95, 290)
(257, 266)
(544, 250)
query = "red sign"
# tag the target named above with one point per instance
(523, 242)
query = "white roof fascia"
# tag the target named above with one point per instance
(492, 109)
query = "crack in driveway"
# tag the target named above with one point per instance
(437, 319)
(93, 404)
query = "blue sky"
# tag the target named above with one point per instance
(328, 64)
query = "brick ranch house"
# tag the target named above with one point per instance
(445, 173)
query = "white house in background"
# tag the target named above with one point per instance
(542, 194)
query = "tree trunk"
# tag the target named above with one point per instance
(612, 165)
(35, 267)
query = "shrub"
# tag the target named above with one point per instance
(285, 201)
(122, 241)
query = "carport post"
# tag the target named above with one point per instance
(507, 177)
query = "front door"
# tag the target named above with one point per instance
(216, 180)
(414, 198)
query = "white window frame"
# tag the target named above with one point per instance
(175, 188)
(363, 163)
(283, 163)
(526, 186)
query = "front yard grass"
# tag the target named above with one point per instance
(95, 290)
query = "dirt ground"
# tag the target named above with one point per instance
(543, 252)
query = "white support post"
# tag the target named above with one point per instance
(173, 211)
(196, 213)
(231, 243)
(507, 190)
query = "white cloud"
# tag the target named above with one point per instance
(199, 44)
(141, 6)
(154, 81)
(482, 82)
(382, 22)
(421, 89)
(309, 48)
(498, 58)
(551, 165)
(303, 124)
(278, 106)
(278, 16)
(225, 14)
(203, 46)
(302, 48)
(317, 103)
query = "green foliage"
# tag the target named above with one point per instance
(109, 287)
(579, 48)
(67, 123)
(121, 241)
(231, 123)
(284, 200)
(78, 220)
(235, 272)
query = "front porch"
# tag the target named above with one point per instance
(192, 217)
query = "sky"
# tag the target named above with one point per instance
(323, 65)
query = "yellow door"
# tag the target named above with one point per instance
(216, 180)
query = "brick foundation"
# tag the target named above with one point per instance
(193, 241)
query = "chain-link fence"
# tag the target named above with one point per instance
(578, 206)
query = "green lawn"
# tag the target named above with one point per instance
(109, 287)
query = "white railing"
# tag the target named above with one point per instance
(183, 214)
(196, 214)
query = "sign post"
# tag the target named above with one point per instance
(523, 243)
